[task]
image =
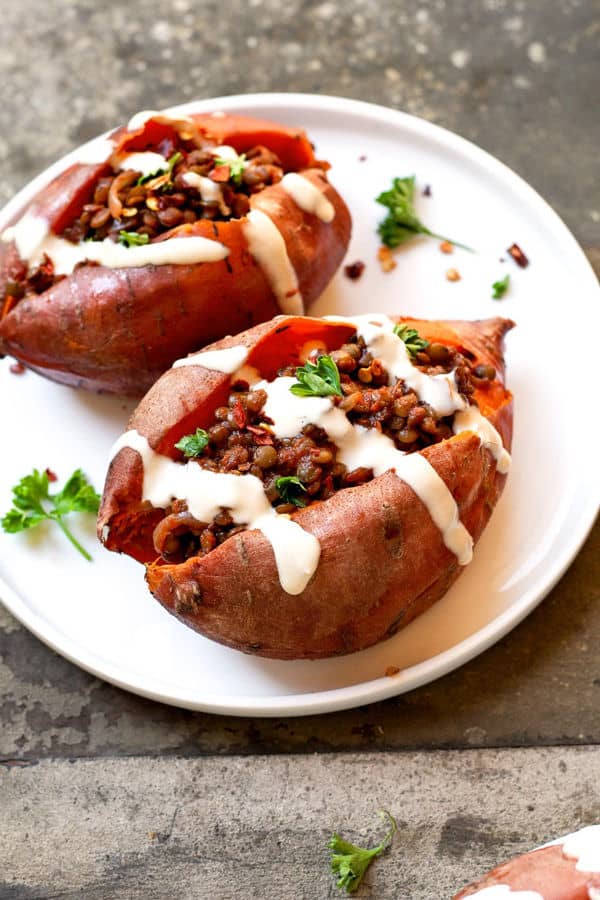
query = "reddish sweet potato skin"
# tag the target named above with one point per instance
(382, 562)
(547, 871)
(117, 330)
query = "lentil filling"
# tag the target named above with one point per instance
(240, 441)
(146, 207)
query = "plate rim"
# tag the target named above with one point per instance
(429, 670)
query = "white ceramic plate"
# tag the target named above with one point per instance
(100, 615)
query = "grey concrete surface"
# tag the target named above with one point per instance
(258, 827)
(105, 795)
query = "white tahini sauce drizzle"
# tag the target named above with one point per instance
(584, 846)
(228, 360)
(225, 152)
(208, 189)
(268, 248)
(296, 551)
(146, 162)
(140, 119)
(308, 197)
(470, 419)
(358, 447)
(33, 238)
(504, 892)
(97, 151)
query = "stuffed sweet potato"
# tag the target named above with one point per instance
(188, 229)
(308, 487)
(568, 869)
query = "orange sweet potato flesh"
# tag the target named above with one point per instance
(547, 871)
(117, 330)
(383, 560)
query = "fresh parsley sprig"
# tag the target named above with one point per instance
(414, 343)
(236, 166)
(289, 488)
(350, 862)
(193, 444)
(402, 223)
(500, 287)
(133, 239)
(320, 379)
(32, 504)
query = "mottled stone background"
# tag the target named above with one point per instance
(105, 795)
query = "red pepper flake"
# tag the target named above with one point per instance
(518, 256)
(427, 190)
(220, 174)
(52, 476)
(391, 671)
(239, 414)
(446, 247)
(354, 270)
(17, 368)
(261, 435)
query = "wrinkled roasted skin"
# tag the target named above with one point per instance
(117, 330)
(383, 560)
(547, 871)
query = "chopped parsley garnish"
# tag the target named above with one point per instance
(32, 504)
(132, 239)
(171, 162)
(350, 863)
(414, 343)
(236, 166)
(402, 223)
(320, 379)
(193, 444)
(289, 488)
(499, 288)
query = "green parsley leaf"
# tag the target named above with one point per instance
(236, 166)
(320, 379)
(411, 338)
(132, 239)
(289, 487)
(33, 503)
(350, 863)
(171, 162)
(499, 288)
(193, 444)
(402, 223)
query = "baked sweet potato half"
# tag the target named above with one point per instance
(186, 230)
(568, 869)
(309, 486)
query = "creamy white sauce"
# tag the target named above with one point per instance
(296, 551)
(146, 162)
(29, 233)
(140, 119)
(228, 360)
(584, 846)
(470, 419)
(225, 152)
(308, 196)
(366, 447)
(504, 892)
(33, 238)
(268, 248)
(208, 189)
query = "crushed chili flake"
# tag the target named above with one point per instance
(354, 270)
(17, 368)
(239, 414)
(446, 247)
(453, 275)
(392, 670)
(219, 173)
(386, 260)
(427, 190)
(52, 476)
(518, 256)
(261, 435)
